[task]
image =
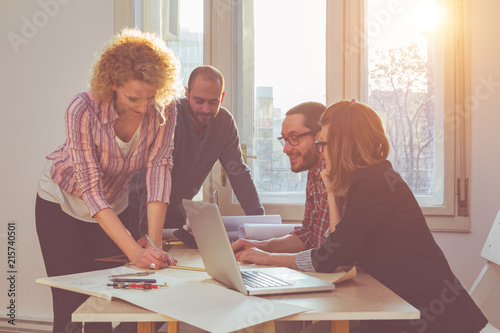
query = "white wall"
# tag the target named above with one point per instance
(37, 82)
(463, 250)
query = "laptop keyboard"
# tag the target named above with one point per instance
(256, 279)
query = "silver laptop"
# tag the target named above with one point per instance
(220, 262)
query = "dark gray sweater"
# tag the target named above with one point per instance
(193, 160)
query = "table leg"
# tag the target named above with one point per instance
(172, 326)
(150, 327)
(340, 326)
(145, 327)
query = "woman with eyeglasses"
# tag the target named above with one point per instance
(383, 229)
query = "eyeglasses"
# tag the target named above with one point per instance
(320, 145)
(293, 139)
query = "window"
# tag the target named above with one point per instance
(408, 59)
(405, 84)
(179, 23)
(282, 53)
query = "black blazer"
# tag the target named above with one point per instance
(385, 232)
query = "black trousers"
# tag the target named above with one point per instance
(71, 246)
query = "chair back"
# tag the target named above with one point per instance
(491, 249)
(489, 277)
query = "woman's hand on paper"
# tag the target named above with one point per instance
(171, 261)
(149, 258)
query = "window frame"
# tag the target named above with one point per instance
(344, 81)
(345, 67)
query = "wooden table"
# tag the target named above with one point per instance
(362, 298)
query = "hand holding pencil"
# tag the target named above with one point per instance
(164, 256)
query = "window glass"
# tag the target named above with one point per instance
(405, 86)
(189, 45)
(281, 49)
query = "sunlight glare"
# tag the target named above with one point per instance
(191, 14)
(426, 15)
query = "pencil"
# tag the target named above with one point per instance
(131, 274)
(188, 268)
(157, 249)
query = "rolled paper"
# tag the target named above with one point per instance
(265, 231)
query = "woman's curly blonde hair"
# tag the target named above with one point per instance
(136, 55)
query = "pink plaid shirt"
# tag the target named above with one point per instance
(316, 222)
(90, 165)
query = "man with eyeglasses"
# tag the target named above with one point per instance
(205, 132)
(299, 132)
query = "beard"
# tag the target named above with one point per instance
(310, 159)
(201, 118)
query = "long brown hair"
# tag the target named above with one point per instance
(355, 140)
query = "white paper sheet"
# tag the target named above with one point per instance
(206, 306)
(232, 223)
(265, 231)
